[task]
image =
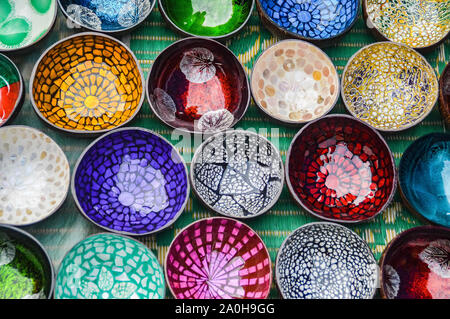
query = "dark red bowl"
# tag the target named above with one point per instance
(198, 85)
(415, 264)
(444, 95)
(340, 169)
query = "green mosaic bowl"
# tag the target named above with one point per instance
(26, 270)
(110, 266)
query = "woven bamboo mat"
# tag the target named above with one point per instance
(67, 226)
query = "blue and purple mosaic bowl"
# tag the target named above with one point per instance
(317, 21)
(131, 181)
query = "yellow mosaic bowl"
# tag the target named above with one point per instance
(389, 86)
(420, 24)
(87, 83)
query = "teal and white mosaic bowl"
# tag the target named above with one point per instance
(109, 266)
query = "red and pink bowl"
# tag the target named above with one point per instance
(218, 258)
(341, 170)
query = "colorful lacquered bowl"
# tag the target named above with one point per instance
(11, 90)
(198, 85)
(110, 16)
(131, 181)
(34, 176)
(325, 261)
(389, 86)
(424, 177)
(444, 95)
(415, 264)
(24, 23)
(218, 258)
(110, 266)
(321, 22)
(238, 174)
(26, 270)
(420, 24)
(207, 18)
(87, 83)
(294, 82)
(340, 169)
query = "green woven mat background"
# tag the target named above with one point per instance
(66, 227)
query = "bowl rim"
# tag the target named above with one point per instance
(291, 34)
(198, 152)
(43, 250)
(66, 191)
(84, 132)
(402, 186)
(121, 232)
(398, 239)
(41, 37)
(19, 100)
(111, 32)
(100, 234)
(226, 50)
(278, 256)
(292, 122)
(390, 43)
(382, 35)
(166, 258)
(392, 165)
(166, 17)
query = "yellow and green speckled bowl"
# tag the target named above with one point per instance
(389, 86)
(87, 83)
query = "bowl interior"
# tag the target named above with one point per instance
(210, 18)
(23, 23)
(424, 176)
(198, 85)
(34, 176)
(26, 272)
(107, 15)
(238, 174)
(418, 24)
(295, 82)
(415, 265)
(131, 181)
(326, 261)
(389, 86)
(11, 88)
(340, 169)
(317, 20)
(87, 83)
(218, 258)
(108, 266)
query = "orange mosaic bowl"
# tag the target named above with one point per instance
(87, 83)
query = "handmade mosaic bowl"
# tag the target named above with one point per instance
(198, 85)
(131, 181)
(389, 86)
(26, 270)
(339, 169)
(34, 176)
(424, 176)
(415, 264)
(87, 83)
(444, 95)
(321, 22)
(420, 24)
(11, 90)
(110, 16)
(207, 18)
(294, 82)
(325, 261)
(237, 174)
(218, 258)
(110, 266)
(24, 23)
